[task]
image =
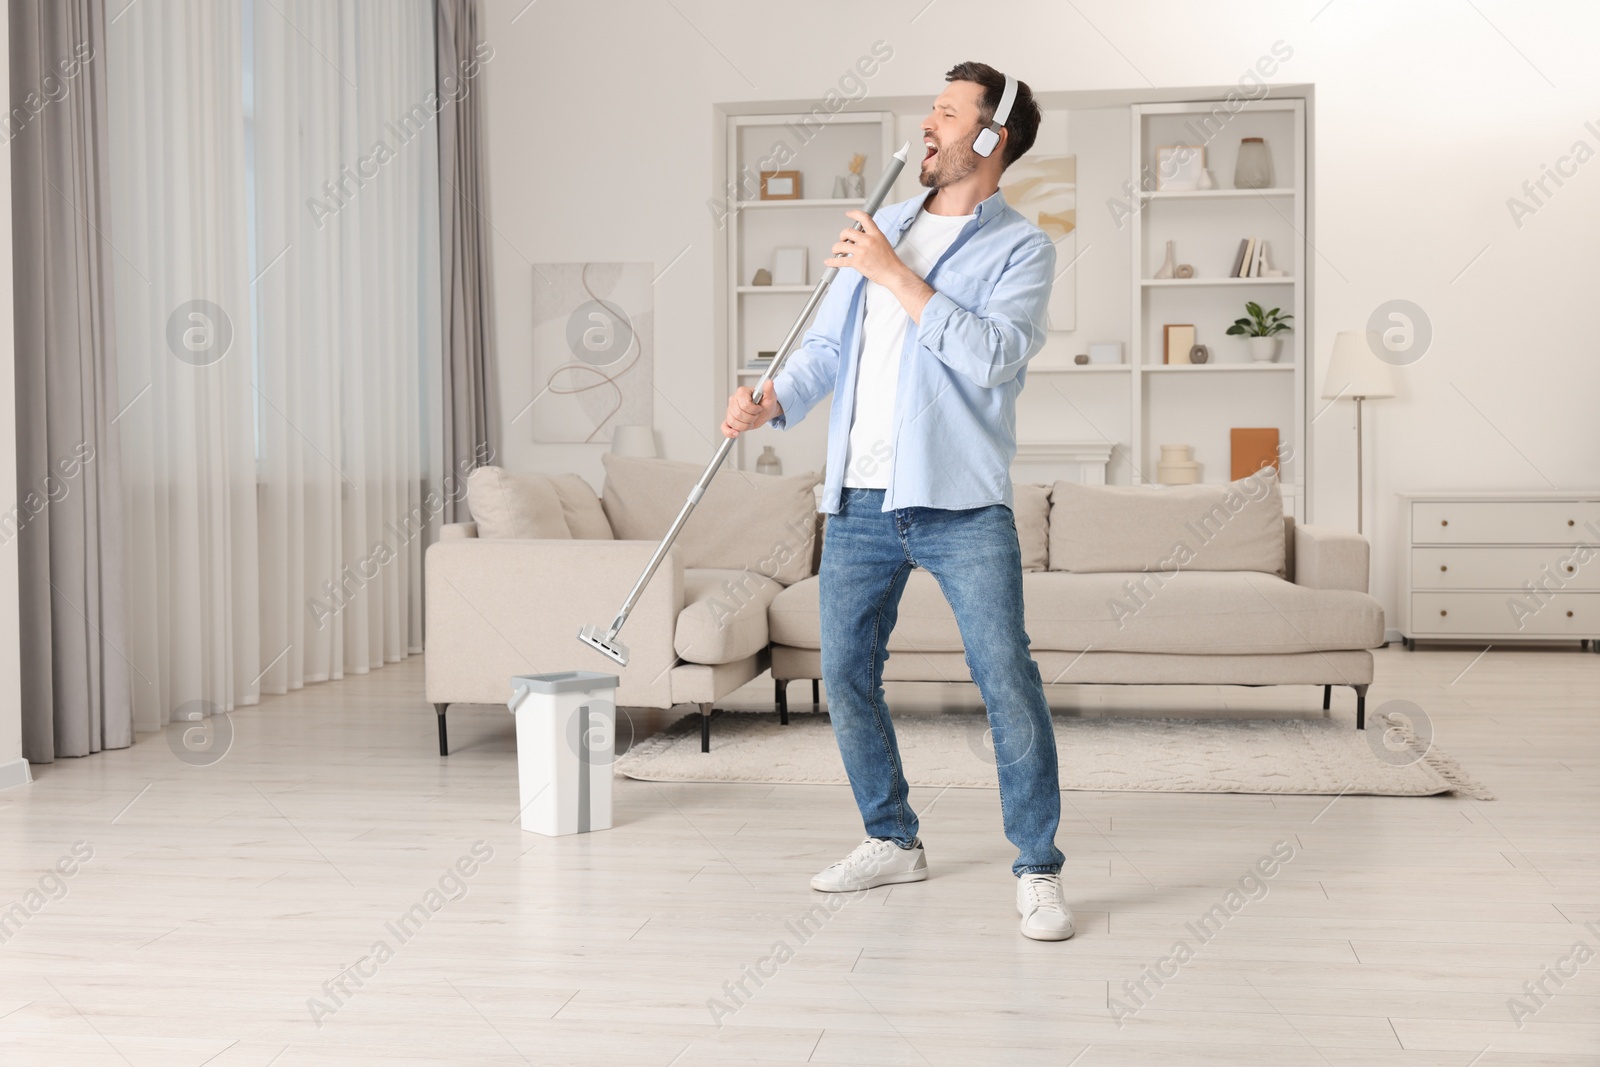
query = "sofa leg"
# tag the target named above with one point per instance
(816, 692)
(780, 697)
(444, 743)
(1361, 706)
(705, 727)
(1327, 697)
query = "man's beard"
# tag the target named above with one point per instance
(954, 162)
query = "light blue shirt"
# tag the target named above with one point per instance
(955, 406)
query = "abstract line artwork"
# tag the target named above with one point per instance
(592, 350)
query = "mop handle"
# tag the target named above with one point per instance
(890, 174)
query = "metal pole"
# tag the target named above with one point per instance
(1360, 467)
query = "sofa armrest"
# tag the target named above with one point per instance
(1326, 557)
(498, 607)
(455, 531)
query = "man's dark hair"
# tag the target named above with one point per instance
(1023, 123)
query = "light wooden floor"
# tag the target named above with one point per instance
(220, 899)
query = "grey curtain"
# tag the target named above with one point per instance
(68, 519)
(468, 388)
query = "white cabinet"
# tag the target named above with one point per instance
(1500, 567)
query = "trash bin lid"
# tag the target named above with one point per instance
(564, 682)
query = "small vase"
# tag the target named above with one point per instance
(1253, 170)
(768, 462)
(1167, 267)
(1263, 349)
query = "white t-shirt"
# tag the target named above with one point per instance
(871, 453)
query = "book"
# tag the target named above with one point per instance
(1177, 339)
(1238, 257)
(1249, 257)
(1261, 258)
(1252, 449)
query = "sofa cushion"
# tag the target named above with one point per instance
(580, 504)
(1195, 613)
(1234, 527)
(504, 504)
(925, 623)
(1031, 511)
(744, 521)
(724, 618)
(1190, 613)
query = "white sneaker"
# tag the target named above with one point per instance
(1045, 916)
(876, 861)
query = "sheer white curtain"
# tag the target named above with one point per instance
(346, 171)
(184, 368)
(275, 506)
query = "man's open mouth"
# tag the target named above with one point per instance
(932, 151)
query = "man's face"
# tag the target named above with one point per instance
(947, 135)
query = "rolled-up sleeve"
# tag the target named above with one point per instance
(992, 345)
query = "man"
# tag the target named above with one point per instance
(924, 347)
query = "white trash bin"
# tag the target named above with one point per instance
(566, 740)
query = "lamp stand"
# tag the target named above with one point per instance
(1360, 466)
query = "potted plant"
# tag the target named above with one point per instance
(1260, 329)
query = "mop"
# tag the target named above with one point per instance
(605, 640)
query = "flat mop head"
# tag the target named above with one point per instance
(601, 641)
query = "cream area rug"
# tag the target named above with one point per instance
(1246, 755)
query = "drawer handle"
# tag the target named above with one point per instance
(1444, 522)
(1570, 523)
(1443, 612)
(1442, 567)
(1569, 614)
(1570, 568)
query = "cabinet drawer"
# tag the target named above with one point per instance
(1505, 522)
(1510, 567)
(1563, 614)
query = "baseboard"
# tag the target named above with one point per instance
(15, 773)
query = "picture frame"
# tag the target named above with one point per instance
(1177, 340)
(780, 185)
(1179, 167)
(1105, 351)
(789, 266)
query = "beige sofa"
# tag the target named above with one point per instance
(1201, 585)
(507, 593)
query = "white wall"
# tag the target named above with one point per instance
(1430, 115)
(13, 770)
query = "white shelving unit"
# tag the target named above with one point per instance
(1177, 404)
(758, 316)
(1132, 407)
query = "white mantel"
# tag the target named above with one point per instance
(1067, 461)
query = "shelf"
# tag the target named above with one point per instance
(747, 372)
(1286, 488)
(1077, 368)
(774, 288)
(1211, 194)
(1204, 368)
(1173, 283)
(847, 202)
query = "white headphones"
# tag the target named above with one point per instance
(989, 136)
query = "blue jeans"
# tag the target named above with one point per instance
(867, 556)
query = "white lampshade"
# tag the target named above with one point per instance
(632, 439)
(1355, 370)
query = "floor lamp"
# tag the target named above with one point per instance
(1355, 371)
